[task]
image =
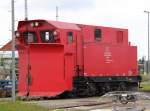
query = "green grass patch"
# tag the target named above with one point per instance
(19, 106)
(145, 77)
(145, 86)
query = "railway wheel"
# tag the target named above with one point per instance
(106, 88)
(86, 89)
(122, 86)
(91, 89)
(133, 87)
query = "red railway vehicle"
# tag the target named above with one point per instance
(57, 57)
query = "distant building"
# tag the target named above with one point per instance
(6, 47)
(6, 61)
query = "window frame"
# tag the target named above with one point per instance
(69, 41)
(97, 34)
(26, 41)
(49, 41)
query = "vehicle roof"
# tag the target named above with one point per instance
(63, 25)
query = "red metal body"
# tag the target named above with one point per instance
(48, 68)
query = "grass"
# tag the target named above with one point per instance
(19, 106)
(145, 86)
(145, 77)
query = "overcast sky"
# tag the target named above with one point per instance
(112, 13)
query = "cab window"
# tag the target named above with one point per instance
(47, 37)
(97, 34)
(70, 37)
(30, 37)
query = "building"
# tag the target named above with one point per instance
(6, 61)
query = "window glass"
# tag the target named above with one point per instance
(97, 34)
(120, 37)
(70, 37)
(47, 37)
(30, 37)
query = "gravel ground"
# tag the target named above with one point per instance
(90, 104)
(65, 103)
(87, 104)
(108, 107)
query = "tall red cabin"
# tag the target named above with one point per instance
(53, 53)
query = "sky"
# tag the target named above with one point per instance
(127, 14)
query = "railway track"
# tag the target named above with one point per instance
(89, 104)
(93, 102)
(74, 104)
(69, 103)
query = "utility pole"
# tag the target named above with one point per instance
(26, 10)
(57, 13)
(147, 12)
(13, 52)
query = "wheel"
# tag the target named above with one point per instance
(106, 88)
(122, 86)
(91, 89)
(85, 89)
(134, 87)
